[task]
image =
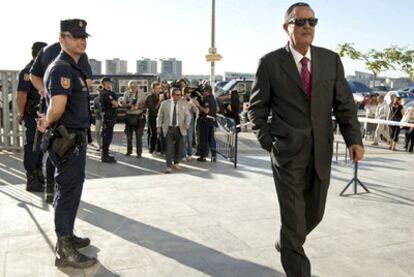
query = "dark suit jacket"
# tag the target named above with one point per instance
(278, 89)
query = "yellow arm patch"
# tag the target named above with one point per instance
(26, 77)
(65, 82)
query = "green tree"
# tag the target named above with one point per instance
(375, 61)
(403, 58)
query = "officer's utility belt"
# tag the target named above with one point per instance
(63, 139)
(31, 107)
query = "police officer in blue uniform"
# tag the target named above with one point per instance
(37, 71)
(207, 123)
(27, 101)
(109, 103)
(68, 115)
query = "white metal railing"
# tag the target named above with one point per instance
(10, 130)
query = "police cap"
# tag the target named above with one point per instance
(77, 27)
(37, 46)
(105, 79)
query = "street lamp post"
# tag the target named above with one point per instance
(212, 55)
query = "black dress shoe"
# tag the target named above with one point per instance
(201, 159)
(127, 154)
(33, 183)
(40, 176)
(214, 159)
(108, 159)
(67, 255)
(78, 242)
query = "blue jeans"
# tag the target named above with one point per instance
(188, 140)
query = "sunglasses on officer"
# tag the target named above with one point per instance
(302, 21)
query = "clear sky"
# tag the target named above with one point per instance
(245, 29)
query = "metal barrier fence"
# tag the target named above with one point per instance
(10, 130)
(226, 138)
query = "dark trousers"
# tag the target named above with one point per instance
(139, 131)
(153, 142)
(107, 133)
(69, 179)
(32, 160)
(394, 133)
(173, 141)
(302, 197)
(409, 139)
(50, 171)
(207, 140)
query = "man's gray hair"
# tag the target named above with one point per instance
(289, 12)
(132, 82)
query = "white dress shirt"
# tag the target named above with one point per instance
(172, 112)
(298, 57)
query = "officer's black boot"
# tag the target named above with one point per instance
(50, 190)
(105, 158)
(67, 255)
(80, 242)
(40, 176)
(33, 183)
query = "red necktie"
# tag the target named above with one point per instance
(305, 75)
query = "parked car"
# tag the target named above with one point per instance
(381, 90)
(404, 94)
(360, 92)
(407, 89)
(221, 84)
(243, 87)
(408, 104)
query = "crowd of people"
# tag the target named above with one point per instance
(378, 108)
(180, 120)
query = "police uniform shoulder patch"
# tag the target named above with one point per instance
(65, 82)
(26, 77)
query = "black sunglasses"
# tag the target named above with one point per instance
(302, 21)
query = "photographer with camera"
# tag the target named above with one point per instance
(208, 109)
(188, 139)
(134, 101)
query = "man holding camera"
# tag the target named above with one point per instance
(207, 115)
(134, 101)
(68, 119)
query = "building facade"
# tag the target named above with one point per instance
(96, 66)
(116, 66)
(171, 69)
(146, 66)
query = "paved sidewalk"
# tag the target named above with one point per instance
(211, 219)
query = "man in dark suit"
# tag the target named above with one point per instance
(301, 85)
